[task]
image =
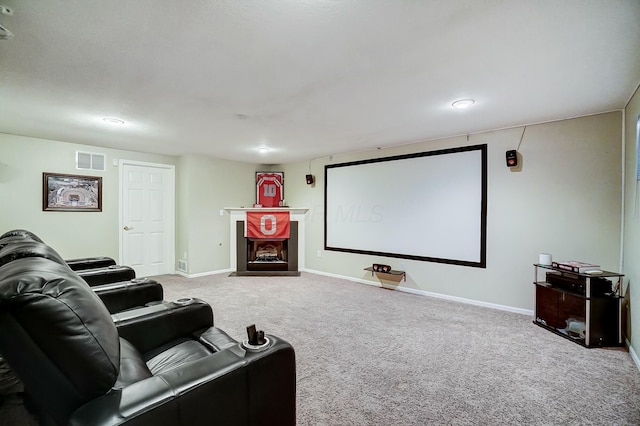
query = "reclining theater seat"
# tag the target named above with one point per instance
(80, 369)
(20, 233)
(83, 263)
(79, 264)
(94, 270)
(117, 296)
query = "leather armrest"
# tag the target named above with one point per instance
(216, 339)
(90, 262)
(152, 326)
(124, 295)
(107, 275)
(233, 386)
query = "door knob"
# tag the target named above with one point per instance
(126, 228)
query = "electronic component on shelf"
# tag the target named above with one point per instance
(578, 284)
(376, 267)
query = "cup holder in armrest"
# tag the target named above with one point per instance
(184, 301)
(139, 280)
(256, 348)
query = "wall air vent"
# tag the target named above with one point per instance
(182, 265)
(90, 161)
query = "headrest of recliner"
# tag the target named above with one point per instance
(22, 233)
(64, 319)
(21, 248)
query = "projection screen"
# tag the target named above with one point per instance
(429, 206)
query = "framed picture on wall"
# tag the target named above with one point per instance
(71, 193)
(270, 189)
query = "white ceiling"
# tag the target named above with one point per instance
(307, 78)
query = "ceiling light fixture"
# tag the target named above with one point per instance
(463, 103)
(112, 120)
(263, 149)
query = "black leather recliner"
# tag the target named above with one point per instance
(163, 369)
(116, 295)
(19, 234)
(82, 263)
(95, 271)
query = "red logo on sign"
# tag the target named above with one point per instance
(268, 225)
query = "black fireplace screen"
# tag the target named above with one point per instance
(266, 251)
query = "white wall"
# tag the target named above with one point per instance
(72, 234)
(632, 226)
(564, 200)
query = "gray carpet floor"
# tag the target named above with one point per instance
(370, 356)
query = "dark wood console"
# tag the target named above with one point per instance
(584, 308)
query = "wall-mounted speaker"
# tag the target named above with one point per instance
(310, 179)
(512, 158)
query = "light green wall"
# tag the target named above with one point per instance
(632, 226)
(182, 211)
(206, 186)
(72, 234)
(565, 200)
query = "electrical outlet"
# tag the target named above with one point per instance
(319, 253)
(403, 267)
(221, 212)
(184, 255)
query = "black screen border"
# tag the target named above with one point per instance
(482, 263)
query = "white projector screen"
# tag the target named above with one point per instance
(429, 206)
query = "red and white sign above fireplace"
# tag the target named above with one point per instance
(272, 225)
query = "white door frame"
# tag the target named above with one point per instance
(171, 223)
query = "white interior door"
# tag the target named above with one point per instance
(147, 217)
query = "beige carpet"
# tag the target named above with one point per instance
(369, 356)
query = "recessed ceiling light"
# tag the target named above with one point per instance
(112, 120)
(263, 149)
(463, 103)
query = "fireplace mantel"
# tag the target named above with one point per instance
(239, 214)
(292, 210)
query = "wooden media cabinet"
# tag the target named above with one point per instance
(584, 308)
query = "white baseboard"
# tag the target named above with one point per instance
(204, 274)
(528, 312)
(429, 294)
(342, 277)
(399, 288)
(633, 354)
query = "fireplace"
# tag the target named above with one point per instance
(267, 257)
